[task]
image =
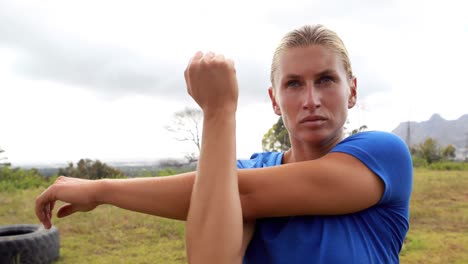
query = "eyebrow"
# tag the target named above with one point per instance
(296, 76)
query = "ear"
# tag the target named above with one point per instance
(352, 98)
(275, 105)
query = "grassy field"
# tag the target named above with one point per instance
(438, 231)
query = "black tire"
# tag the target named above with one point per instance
(28, 244)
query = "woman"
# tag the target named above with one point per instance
(325, 200)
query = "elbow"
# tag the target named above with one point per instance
(246, 204)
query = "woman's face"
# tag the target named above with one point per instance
(312, 94)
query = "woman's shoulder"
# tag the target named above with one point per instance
(370, 140)
(374, 135)
(388, 156)
(376, 147)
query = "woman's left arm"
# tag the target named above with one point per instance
(337, 183)
(360, 172)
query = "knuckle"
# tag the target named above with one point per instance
(192, 68)
(61, 178)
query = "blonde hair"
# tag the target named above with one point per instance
(309, 35)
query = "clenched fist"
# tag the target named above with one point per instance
(211, 81)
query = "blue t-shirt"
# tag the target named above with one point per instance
(374, 235)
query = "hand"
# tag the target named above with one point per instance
(211, 81)
(79, 194)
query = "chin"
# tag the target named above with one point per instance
(313, 137)
(316, 137)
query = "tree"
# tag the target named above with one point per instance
(88, 169)
(187, 125)
(448, 152)
(354, 131)
(3, 160)
(277, 138)
(429, 150)
(360, 129)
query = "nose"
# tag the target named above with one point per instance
(311, 98)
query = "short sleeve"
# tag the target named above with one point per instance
(388, 157)
(260, 160)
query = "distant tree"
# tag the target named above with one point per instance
(171, 163)
(191, 157)
(449, 152)
(428, 150)
(88, 169)
(360, 129)
(353, 131)
(3, 160)
(276, 138)
(186, 126)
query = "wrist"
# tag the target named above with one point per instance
(220, 113)
(100, 191)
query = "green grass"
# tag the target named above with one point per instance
(439, 218)
(105, 235)
(438, 231)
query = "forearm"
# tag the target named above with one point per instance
(214, 223)
(161, 196)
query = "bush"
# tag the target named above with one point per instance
(13, 179)
(419, 162)
(447, 165)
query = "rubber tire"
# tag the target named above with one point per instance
(28, 244)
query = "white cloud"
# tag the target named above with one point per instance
(100, 79)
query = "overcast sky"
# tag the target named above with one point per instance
(101, 79)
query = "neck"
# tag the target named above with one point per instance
(303, 151)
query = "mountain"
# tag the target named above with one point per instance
(446, 132)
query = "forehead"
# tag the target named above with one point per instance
(308, 60)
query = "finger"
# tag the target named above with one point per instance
(52, 206)
(50, 209)
(231, 62)
(187, 79)
(66, 210)
(209, 55)
(47, 211)
(47, 222)
(227, 62)
(198, 55)
(39, 211)
(219, 57)
(195, 58)
(41, 202)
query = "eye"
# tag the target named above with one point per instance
(326, 79)
(292, 83)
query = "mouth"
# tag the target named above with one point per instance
(313, 119)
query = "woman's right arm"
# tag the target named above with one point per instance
(161, 196)
(337, 183)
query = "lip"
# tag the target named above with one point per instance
(313, 119)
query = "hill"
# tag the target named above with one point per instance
(446, 132)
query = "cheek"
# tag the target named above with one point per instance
(287, 108)
(338, 104)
